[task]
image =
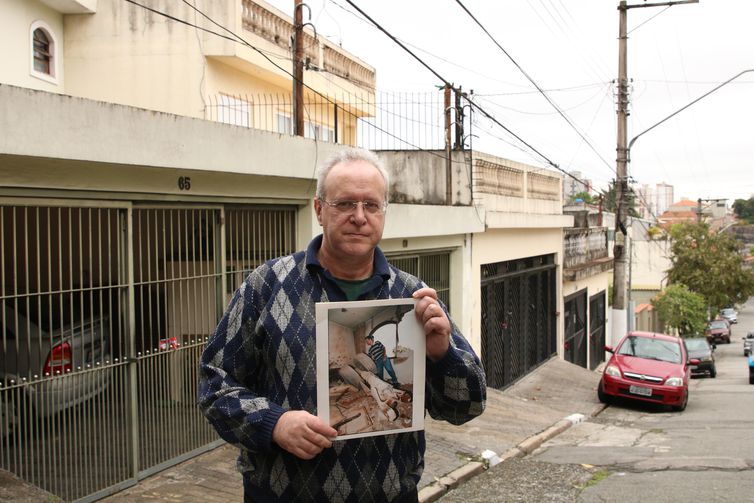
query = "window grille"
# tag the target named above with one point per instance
(432, 268)
(42, 52)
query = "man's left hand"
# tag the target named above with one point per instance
(436, 324)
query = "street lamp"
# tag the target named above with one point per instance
(630, 144)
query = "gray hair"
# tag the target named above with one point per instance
(350, 155)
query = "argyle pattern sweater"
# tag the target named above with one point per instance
(260, 362)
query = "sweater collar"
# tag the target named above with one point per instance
(380, 266)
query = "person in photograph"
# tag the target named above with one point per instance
(378, 354)
(257, 373)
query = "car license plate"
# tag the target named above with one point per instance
(640, 390)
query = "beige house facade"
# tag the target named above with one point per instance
(230, 62)
(587, 274)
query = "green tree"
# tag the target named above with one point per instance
(709, 264)
(681, 309)
(584, 196)
(609, 198)
(744, 209)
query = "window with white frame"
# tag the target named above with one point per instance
(233, 110)
(319, 132)
(285, 123)
(44, 52)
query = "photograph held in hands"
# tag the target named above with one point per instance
(370, 367)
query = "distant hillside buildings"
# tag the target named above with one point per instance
(653, 201)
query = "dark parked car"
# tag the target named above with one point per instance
(702, 350)
(49, 346)
(748, 343)
(718, 331)
(648, 367)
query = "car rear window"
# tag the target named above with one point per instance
(697, 344)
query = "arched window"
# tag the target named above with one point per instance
(42, 52)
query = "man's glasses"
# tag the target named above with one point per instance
(349, 206)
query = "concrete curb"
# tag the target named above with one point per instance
(440, 487)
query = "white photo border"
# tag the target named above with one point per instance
(412, 330)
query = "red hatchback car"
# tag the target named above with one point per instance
(648, 367)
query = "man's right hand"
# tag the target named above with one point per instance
(302, 434)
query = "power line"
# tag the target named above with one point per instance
(440, 58)
(555, 106)
(448, 84)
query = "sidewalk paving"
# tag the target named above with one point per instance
(541, 405)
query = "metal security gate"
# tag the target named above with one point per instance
(177, 272)
(432, 268)
(596, 330)
(518, 317)
(575, 343)
(63, 385)
(106, 308)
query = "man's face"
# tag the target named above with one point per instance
(354, 232)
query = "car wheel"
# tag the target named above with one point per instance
(602, 396)
(727, 340)
(682, 407)
(713, 372)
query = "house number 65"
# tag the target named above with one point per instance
(184, 183)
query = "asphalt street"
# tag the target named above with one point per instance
(637, 453)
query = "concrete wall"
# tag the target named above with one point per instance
(102, 135)
(421, 177)
(650, 263)
(650, 258)
(523, 204)
(128, 55)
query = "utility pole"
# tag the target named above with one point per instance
(699, 216)
(458, 145)
(619, 318)
(448, 140)
(298, 68)
(699, 210)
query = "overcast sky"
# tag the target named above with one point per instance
(570, 49)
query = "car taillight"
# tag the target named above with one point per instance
(60, 360)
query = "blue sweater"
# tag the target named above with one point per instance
(260, 362)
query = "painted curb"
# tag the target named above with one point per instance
(439, 488)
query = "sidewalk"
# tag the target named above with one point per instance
(541, 405)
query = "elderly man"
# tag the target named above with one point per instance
(257, 373)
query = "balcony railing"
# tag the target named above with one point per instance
(495, 178)
(584, 246)
(373, 120)
(320, 54)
